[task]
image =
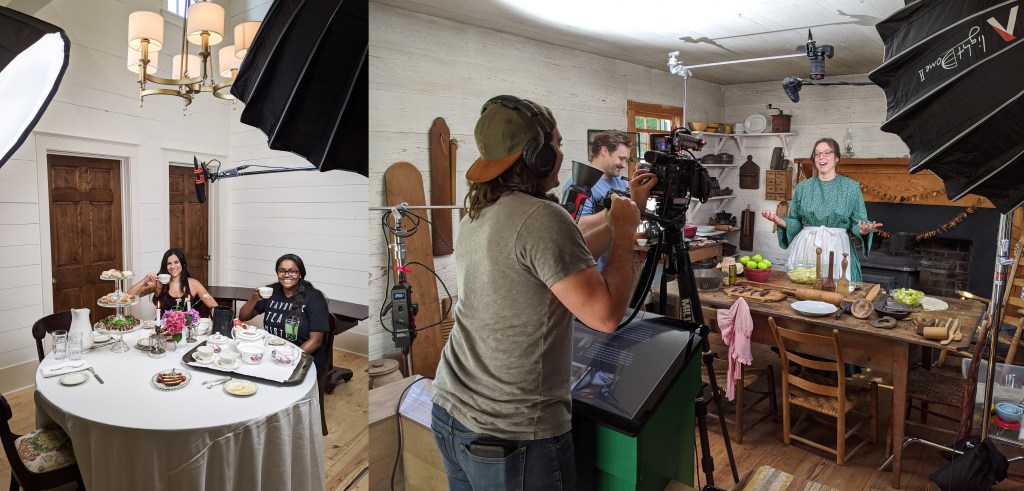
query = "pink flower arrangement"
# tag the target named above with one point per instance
(175, 321)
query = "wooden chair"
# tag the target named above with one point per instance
(837, 398)
(42, 459)
(321, 380)
(48, 324)
(749, 376)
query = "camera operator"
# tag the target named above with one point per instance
(502, 411)
(611, 156)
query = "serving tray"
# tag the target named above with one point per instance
(297, 376)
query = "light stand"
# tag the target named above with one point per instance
(1003, 262)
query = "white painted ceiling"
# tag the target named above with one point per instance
(645, 31)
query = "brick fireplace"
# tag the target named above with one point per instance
(959, 259)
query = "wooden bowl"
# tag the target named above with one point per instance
(698, 125)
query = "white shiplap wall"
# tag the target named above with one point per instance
(821, 112)
(423, 67)
(318, 216)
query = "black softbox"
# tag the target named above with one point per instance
(953, 77)
(304, 81)
(33, 58)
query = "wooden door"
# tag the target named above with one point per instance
(85, 230)
(189, 227)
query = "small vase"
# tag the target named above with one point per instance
(80, 323)
(158, 346)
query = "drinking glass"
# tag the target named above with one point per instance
(291, 328)
(60, 344)
(75, 346)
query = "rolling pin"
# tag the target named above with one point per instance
(800, 293)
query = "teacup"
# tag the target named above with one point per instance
(641, 242)
(227, 359)
(266, 291)
(163, 278)
(205, 326)
(204, 354)
(251, 353)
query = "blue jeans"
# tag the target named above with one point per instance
(547, 464)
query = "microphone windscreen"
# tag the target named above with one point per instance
(792, 87)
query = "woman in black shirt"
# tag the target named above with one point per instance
(297, 299)
(181, 291)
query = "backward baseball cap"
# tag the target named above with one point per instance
(501, 133)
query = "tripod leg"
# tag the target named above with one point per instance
(707, 462)
(687, 284)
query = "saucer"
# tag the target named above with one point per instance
(100, 338)
(274, 341)
(195, 356)
(73, 378)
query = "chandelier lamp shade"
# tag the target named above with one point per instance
(33, 58)
(191, 73)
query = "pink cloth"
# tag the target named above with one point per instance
(736, 326)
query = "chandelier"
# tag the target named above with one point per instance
(191, 74)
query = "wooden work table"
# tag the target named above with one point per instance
(883, 350)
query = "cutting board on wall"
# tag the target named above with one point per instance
(442, 185)
(404, 183)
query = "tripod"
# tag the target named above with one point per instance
(678, 267)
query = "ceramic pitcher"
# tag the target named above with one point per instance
(80, 323)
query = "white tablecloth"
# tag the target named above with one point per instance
(129, 436)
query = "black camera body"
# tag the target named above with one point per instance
(675, 173)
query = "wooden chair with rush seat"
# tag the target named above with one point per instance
(42, 459)
(749, 376)
(48, 324)
(837, 398)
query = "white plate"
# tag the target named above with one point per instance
(240, 388)
(814, 308)
(100, 338)
(73, 378)
(274, 341)
(755, 123)
(705, 228)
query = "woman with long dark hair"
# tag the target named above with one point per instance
(295, 311)
(182, 290)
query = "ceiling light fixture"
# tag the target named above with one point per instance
(33, 58)
(191, 74)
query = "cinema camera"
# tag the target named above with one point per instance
(679, 173)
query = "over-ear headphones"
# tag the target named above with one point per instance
(539, 155)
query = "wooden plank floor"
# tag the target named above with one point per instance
(762, 445)
(345, 449)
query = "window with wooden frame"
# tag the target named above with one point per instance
(647, 119)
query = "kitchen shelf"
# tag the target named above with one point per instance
(720, 139)
(718, 200)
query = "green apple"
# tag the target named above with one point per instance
(762, 265)
(769, 263)
(745, 259)
(757, 258)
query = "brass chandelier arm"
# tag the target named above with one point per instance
(172, 81)
(221, 86)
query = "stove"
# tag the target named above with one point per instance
(891, 271)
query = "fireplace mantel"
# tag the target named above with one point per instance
(892, 176)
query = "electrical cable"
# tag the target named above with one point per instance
(439, 234)
(398, 424)
(445, 316)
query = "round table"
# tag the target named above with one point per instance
(128, 435)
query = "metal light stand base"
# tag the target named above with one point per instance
(678, 256)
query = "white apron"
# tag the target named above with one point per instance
(802, 249)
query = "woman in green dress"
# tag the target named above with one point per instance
(826, 209)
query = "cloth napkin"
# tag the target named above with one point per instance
(736, 326)
(52, 370)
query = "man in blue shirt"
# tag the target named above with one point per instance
(611, 155)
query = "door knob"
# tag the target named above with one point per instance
(206, 257)
(54, 280)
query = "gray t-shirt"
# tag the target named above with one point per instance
(505, 368)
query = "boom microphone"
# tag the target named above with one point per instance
(200, 172)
